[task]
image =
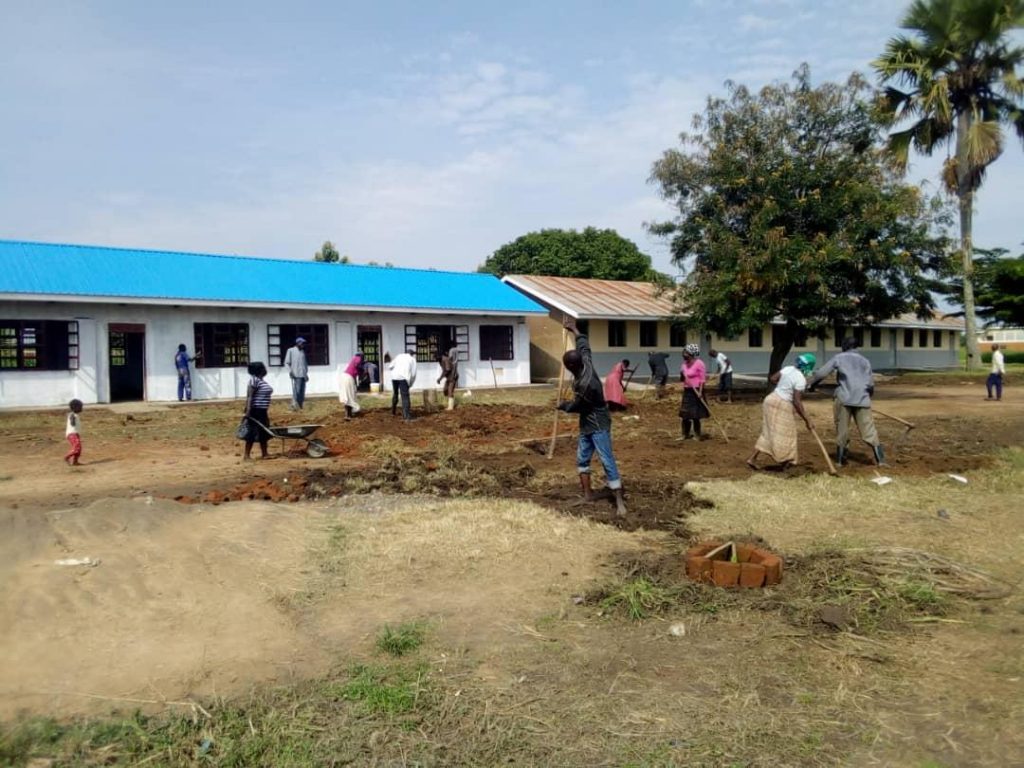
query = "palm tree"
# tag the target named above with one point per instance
(960, 72)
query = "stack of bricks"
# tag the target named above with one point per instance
(754, 567)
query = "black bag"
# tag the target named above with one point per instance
(245, 429)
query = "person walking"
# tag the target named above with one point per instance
(724, 365)
(181, 361)
(450, 374)
(298, 369)
(995, 377)
(257, 408)
(852, 399)
(595, 420)
(614, 391)
(778, 428)
(692, 410)
(403, 376)
(659, 372)
(73, 432)
(347, 385)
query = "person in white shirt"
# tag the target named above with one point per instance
(73, 432)
(778, 428)
(403, 376)
(724, 374)
(995, 378)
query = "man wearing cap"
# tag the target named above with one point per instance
(298, 369)
(855, 386)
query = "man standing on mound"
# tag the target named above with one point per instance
(595, 420)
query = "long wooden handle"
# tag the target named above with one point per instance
(824, 452)
(904, 422)
(558, 396)
(712, 417)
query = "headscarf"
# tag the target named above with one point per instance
(692, 350)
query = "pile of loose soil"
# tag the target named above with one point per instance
(654, 504)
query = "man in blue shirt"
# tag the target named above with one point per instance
(181, 361)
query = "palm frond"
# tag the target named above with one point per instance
(984, 143)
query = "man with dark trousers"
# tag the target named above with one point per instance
(595, 420)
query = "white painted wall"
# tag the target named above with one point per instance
(168, 326)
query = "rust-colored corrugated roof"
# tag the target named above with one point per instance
(586, 299)
(937, 320)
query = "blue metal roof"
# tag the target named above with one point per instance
(119, 273)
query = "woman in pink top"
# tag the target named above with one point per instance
(614, 392)
(347, 393)
(693, 374)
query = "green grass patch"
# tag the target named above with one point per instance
(385, 690)
(403, 639)
(638, 598)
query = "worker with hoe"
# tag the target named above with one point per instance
(855, 386)
(595, 420)
(659, 372)
(449, 363)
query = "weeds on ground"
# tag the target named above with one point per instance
(401, 640)
(383, 690)
(639, 598)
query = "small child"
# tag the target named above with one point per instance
(72, 432)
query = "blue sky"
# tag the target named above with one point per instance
(425, 134)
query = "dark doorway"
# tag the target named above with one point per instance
(127, 358)
(368, 342)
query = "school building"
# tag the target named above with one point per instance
(103, 324)
(630, 319)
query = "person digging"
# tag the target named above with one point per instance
(595, 420)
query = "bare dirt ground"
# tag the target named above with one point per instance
(217, 578)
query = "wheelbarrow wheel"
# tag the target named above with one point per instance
(317, 449)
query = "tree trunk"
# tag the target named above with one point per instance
(782, 341)
(965, 194)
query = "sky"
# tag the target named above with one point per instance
(422, 134)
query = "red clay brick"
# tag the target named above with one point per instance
(773, 569)
(698, 568)
(724, 573)
(702, 549)
(745, 552)
(752, 575)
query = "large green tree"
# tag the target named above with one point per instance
(999, 287)
(329, 254)
(593, 253)
(959, 71)
(788, 210)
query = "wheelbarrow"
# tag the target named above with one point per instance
(315, 448)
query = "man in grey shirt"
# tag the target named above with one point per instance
(855, 386)
(298, 369)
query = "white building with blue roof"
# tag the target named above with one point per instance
(103, 324)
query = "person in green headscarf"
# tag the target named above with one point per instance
(778, 427)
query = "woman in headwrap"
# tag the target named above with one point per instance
(614, 392)
(347, 389)
(778, 428)
(693, 374)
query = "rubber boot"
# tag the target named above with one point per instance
(880, 456)
(840, 456)
(451, 403)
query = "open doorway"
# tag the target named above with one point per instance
(368, 341)
(127, 362)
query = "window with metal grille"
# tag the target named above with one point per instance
(755, 336)
(922, 337)
(39, 345)
(677, 335)
(648, 333)
(430, 341)
(496, 342)
(936, 338)
(616, 333)
(221, 345)
(280, 338)
(908, 337)
(876, 337)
